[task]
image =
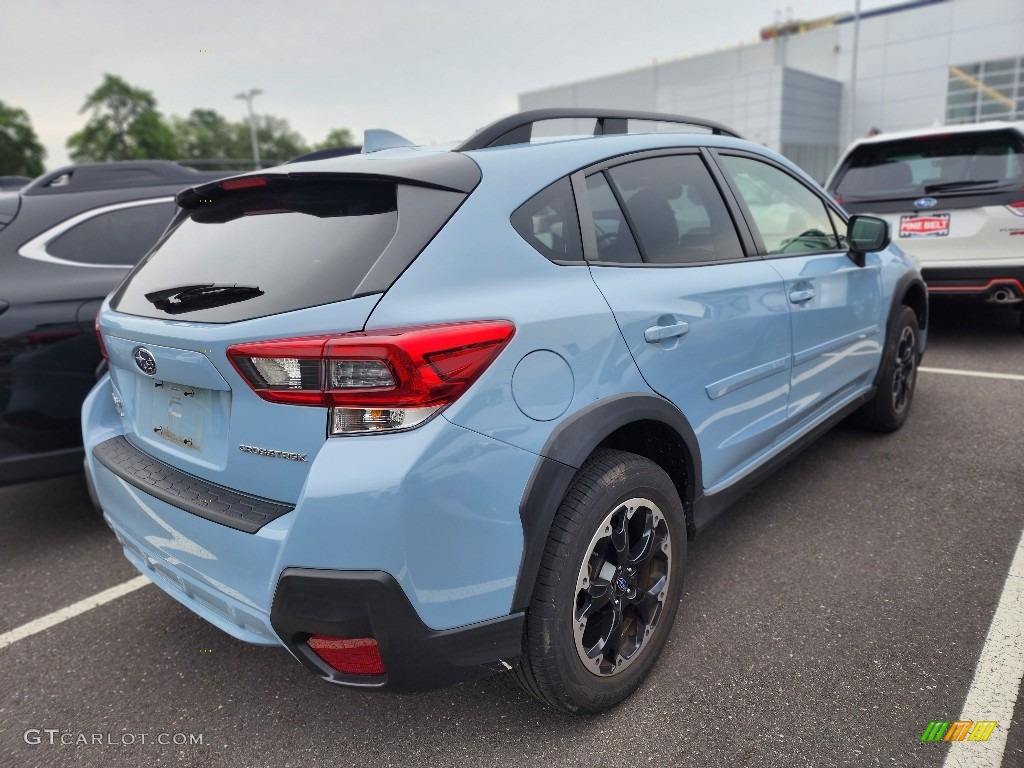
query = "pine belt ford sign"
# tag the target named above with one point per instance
(931, 225)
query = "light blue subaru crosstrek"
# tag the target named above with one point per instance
(421, 413)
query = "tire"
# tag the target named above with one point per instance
(897, 379)
(608, 586)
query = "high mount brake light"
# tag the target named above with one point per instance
(244, 183)
(373, 381)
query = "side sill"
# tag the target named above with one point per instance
(708, 507)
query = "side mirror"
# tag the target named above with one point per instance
(867, 234)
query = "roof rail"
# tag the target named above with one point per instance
(518, 128)
(131, 173)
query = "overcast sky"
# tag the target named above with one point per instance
(433, 72)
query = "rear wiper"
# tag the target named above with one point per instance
(189, 298)
(951, 185)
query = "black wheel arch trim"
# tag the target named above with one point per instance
(568, 446)
(907, 282)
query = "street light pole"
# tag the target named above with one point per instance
(248, 96)
(851, 116)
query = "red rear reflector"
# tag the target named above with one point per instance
(350, 655)
(99, 336)
(244, 183)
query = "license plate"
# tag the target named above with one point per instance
(928, 225)
(179, 413)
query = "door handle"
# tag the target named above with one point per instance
(800, 296)
(657, 333)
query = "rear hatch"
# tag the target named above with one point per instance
(257, 258)
(951, 199)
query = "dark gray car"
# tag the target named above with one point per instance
(66, 240)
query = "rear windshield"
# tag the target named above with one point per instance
(291, 244)
(932, 165)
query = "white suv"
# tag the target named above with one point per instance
(954, 199)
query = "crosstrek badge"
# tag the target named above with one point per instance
(933, 225)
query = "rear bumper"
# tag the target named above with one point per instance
(995, 284)
(432, 515)
(372, 604)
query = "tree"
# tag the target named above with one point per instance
(277, 141)
(207, 135)
(21, 154)
(124, 125)
(339, 137)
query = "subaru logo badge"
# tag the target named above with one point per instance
(621, 584)
(144, 360)
(926, 202)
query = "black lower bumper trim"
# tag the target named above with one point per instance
(975, 282)
(192, 494)
(372, 604)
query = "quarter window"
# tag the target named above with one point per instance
(122, 236)
(549, 223)
(790, 217)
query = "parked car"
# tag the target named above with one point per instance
(418, 414)
(954, 197)
(11, 183)
(66, 239)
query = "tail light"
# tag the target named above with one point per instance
(99, 336)
(1016, 208)
(374, 381)
(353, 656)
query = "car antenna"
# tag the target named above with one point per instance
(376, 139)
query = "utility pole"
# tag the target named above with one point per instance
(853, 75)
(248, 96)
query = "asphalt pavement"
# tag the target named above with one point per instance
(827, 618)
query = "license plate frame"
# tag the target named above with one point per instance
(924, 225)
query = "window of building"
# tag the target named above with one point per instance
(988, 90)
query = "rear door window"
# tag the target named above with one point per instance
(615, 243)
(676, 210)
(290, 244)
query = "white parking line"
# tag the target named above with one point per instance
(52, 619)
(997, 677)
(977, 374)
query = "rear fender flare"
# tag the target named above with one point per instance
(568, 446)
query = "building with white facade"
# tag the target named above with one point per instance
(921, 63)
